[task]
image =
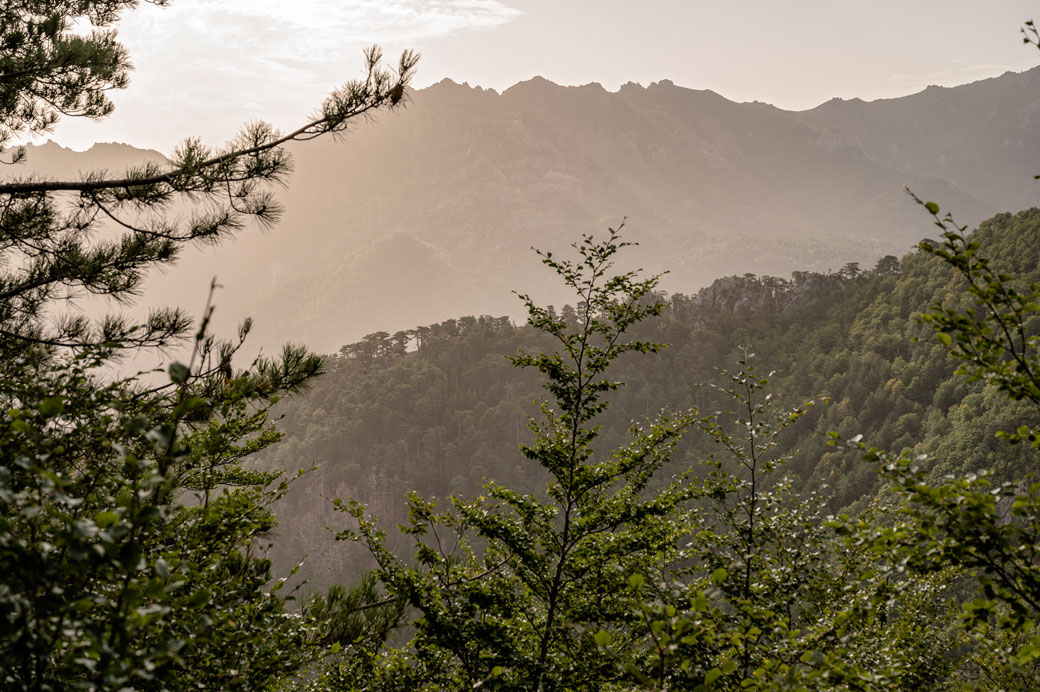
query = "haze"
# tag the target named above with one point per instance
(204, 68)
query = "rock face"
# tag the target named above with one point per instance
(432, 212)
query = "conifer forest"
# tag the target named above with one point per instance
(707, 446)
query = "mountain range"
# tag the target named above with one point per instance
(431, 212)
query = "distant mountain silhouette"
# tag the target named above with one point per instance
(52, 160)
(430, 213)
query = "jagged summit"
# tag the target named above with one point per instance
(540, 84)
(466, 180)
(51, 159)
(1024, 78)
(534, 85)
(449, 84)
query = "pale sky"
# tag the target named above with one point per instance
(205, 67)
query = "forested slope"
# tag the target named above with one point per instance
(438, 409)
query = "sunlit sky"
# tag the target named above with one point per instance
(205, 67)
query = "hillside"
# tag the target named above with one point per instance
(423, 215)
(442, 418)
(980, 137)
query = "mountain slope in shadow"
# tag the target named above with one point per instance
(432, 211)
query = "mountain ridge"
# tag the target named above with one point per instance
(711, 187)
(447, 82)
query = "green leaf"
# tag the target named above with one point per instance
(161, 436)
(191, 403)
(106, 519)
(179, 372)
(932, 207)
(719, 576)
(137, 424)
(52, 406)
(199, 599)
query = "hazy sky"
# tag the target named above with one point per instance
(204, 67)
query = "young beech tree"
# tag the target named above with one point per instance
(509, 589)
(130, 537)
(767, 596)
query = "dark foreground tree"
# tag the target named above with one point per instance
(50, 248)
(131, 540)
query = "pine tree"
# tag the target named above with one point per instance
(48, 251)
(108, 578)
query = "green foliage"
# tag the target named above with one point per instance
(996, 339)
(718, 578)
(768, 595)
(132, 540)
(449, 411)
(869, 611)
(513, 590)
(986, 529)
(51, 249)
(48, 71)
(107, 581)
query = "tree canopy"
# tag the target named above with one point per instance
(131, 538)
(878, 533)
